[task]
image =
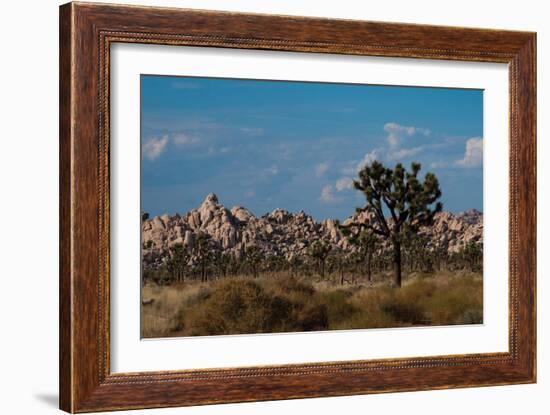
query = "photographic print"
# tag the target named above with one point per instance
(285, 206)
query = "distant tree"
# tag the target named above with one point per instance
(408, 201)
(253, 258)
(415, 252)
(223, 262)
(295, 263)
(441, 256)
(339, 263)
(366, 243)
(275, 263)
(472, 254)
(320, 251)
(202, 254)
(178, 262)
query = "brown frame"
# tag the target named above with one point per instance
(86, 33)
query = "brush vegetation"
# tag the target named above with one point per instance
(280, 302)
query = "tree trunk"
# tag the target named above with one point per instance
(369, 266)
(397, 264)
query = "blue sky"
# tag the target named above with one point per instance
(298, 145)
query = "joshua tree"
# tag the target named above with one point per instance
(339, 263)
(414, 251)
(202, 254)
(472, 254)
(366, 242)
(222, 262)
(295, 262)
(254, 257)
(408, 201)
(319, 251)
(275, 263)
(441, 256)
(177, 263)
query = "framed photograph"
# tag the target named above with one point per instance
(258, 207)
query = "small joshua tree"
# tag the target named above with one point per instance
(472, 254)
(366, 243)
(340, 264)
(320, 251)
(295, 262)
(177, 263)
(202, 254)
(253, 258)
(223, 262)
(410, 202)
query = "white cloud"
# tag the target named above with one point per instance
(321, 169)
(405, 153)
(393, 151)
(344, 183)
(327, 194)
(183, 139)
(368, 158)
(396, 134)
(154, 147)
(473, 155)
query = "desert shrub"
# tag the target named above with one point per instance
(473, 316)
(240, 306)
(459, 302)
(309, 317)
(405, 312)
(236, 306)
(290, 284)
(367, 311)
(407, 305)
(200, 296)
(338, 305)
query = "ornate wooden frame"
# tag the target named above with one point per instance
(86, 33)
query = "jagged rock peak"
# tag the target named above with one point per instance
(279, 215)
(211, 199)
(471, 216)
(241, 213)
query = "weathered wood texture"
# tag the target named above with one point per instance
(86, 32)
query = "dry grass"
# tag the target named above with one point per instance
(280, 303)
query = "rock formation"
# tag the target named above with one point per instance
(281, 232)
